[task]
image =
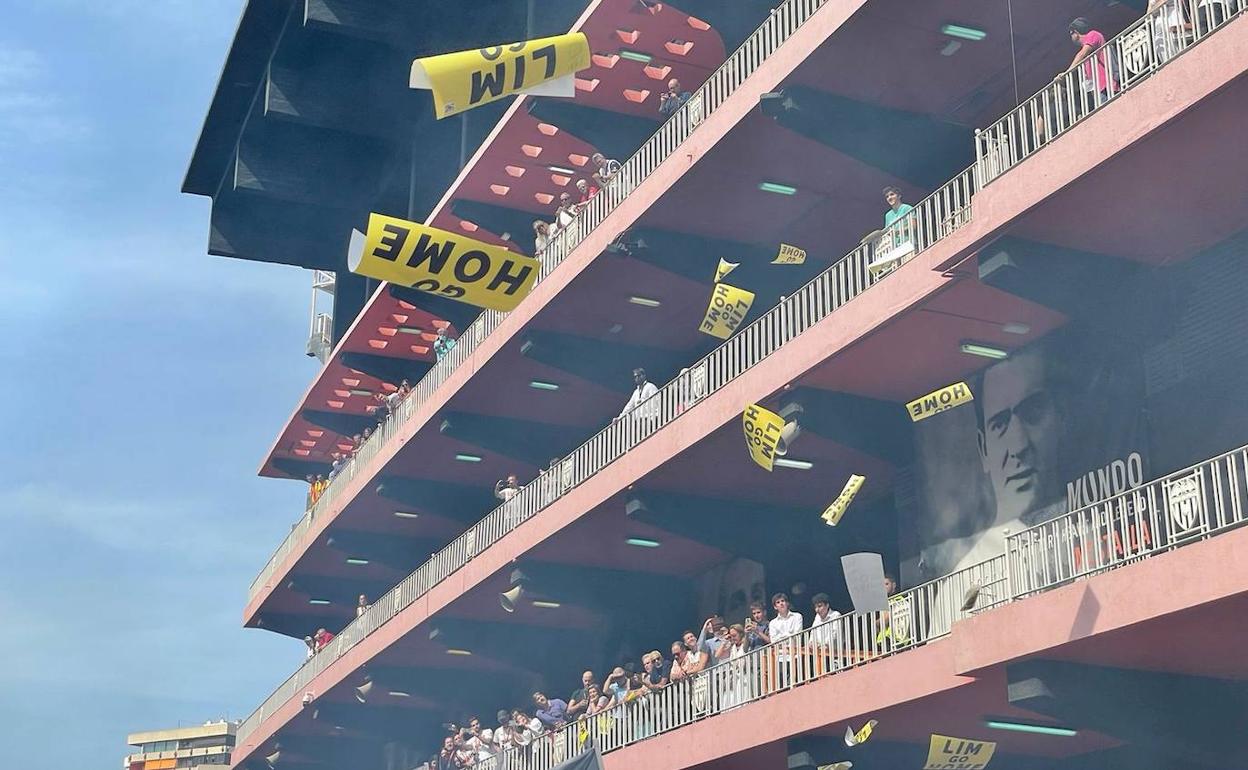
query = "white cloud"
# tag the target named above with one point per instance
(30, 111)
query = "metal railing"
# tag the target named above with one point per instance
(1183, 507)
(931, 219)
(840, 644)
(1122, 63)
(936, 216)
(780, 25)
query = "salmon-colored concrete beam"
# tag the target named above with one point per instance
(1169, 583)
(906, 288)
(818, 29)
(842, 698)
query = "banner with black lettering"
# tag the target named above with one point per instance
(726, 311)
(441, 262)
(948, 753)
(466, 79)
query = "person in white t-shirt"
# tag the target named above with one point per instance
(505, 489)
(825, 633)
(642, 391)
(784, 625)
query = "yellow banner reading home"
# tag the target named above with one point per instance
(947, 753)
(762, 431)
(467, 79)
(441, 262)
(727, 309)
(938, 401)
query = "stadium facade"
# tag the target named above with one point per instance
(1071, 247)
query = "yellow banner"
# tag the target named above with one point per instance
(442, 263)
(789, 255)
(725, 267)
(728, 308)
(938, 401)
(832, 515)
(854, 738)
(946, 753)
(762, 431)
(467, 79)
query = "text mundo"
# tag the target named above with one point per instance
(1096, 485)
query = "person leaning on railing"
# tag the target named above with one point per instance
(606, 168)
(1096, 80)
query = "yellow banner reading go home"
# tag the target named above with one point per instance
(789, 255)
(946, 753)
(467, 79)
(441, 262)
(728, 308)
(762, 431)
(938, 401)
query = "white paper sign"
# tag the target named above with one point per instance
(864, 576)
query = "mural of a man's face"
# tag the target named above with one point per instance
(1019, 434)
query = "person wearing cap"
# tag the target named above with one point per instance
(1095, 81)
(616, 686)
(643, 389)
(713, 640)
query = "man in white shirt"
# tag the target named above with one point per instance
(825, 633)
(505, 489)
(642, 391)
(785, 624)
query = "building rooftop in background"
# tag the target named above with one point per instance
(206, 745)
(919, 199)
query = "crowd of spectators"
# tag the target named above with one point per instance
(717, 643)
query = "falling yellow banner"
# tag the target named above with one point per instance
(442, 263)
(789, 255)
(467, 79)
(947, 753)
(862, 736)
(725, 267)
(938, 401)
(728, 308)
(762, 431)
(832, 515)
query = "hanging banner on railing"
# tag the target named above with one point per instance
(939, 400)
(442, 263)
(789, 255)
(862, 736)
(726, 311)
(762, 431)
(466, 79)
(725, 267)
(947, 753)
(833, 513)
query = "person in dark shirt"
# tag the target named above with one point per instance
(672, 99)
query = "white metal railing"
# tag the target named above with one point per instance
(931, 219)
(780, 25)
(1185, 506)
(1123, 62)
(941, 213)
(843, 643)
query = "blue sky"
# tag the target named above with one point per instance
(143, 382)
